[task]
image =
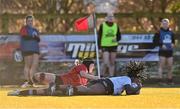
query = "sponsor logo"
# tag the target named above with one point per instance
(80, 50)
(167, 39)
(127, 48)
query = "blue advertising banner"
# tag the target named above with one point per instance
(60, 48)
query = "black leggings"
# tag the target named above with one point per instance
(108, 85)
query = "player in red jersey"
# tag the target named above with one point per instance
(78, 75)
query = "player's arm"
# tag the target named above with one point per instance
(24, 33)
(173, 40)
(88, 76)
(100, 36)
(156, 40)
(132, 90)
(118, 38)
(37, 36)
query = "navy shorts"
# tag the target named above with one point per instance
(28, 53)
(166, 54)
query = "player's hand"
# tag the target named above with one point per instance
(100, 51)
(96, 77)
(172, 45)
(114, 40)
(164, 47)
(35, 34)
(138, 82)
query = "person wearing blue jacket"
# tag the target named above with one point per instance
(164, 38)
(29, 45)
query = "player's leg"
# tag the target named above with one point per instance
(35, 63)
(26, 92)
(27, 66)
(44, 78)
(162, 61)
(170, 69)
(95, 89)
(105, 62)
(112, 63)
(44, 91)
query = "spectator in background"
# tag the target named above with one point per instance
(30, 49)
(164, 38)
(108, 37)
(90, 8)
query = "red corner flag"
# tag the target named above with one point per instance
(84, 23)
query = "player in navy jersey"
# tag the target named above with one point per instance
(30, 39)
(165, 40)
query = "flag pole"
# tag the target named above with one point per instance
(96, 42)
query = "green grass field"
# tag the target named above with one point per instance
(156, 98)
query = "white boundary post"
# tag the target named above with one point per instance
(96, 41)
